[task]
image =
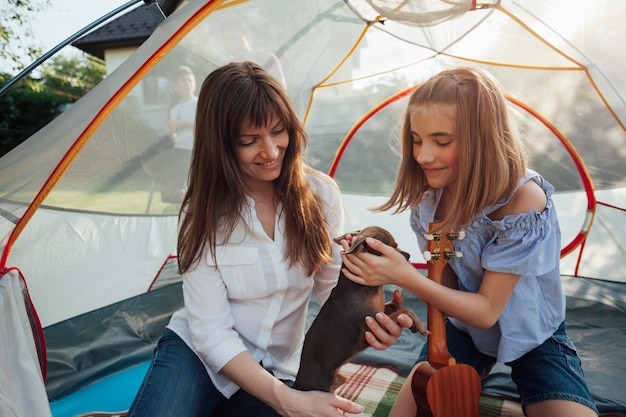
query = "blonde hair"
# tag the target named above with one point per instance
(230, 96)
(491, 156)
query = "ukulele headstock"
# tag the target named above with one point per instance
(440, 245)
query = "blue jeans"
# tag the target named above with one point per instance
(177, 385)
(551, 371)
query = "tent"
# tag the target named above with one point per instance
(88, 238)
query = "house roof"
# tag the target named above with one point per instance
(130, 29)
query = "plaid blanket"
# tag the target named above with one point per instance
(375, 388)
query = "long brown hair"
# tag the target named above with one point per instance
(491, 156)
(230, 96)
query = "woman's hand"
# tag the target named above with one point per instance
(384, 331)
(316, 403)
(246, 372)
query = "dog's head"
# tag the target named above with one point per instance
(358, 240)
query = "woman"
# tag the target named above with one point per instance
(463, 165)
(254, 241)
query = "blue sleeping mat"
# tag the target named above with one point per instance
(114, 393)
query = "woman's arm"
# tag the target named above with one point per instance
(248, 374)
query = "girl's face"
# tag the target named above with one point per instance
(261, 150)
(433, 130)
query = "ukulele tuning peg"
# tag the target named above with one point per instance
(429, 236)
(461, 235)
(457, 254)
(427, 256)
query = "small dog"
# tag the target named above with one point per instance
(338, 332)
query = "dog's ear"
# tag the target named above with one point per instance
(338, 239)
(357, 241)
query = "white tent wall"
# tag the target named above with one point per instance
(112, 257)
(21, 383)
(81, 210)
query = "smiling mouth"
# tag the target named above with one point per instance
(268, 164)
(431, 171)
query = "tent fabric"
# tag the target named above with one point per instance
(91, 346)
(84, 221)
(114, 248)
(21, 380)
(595, 326)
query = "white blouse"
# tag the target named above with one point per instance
(248, 298)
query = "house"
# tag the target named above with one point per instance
(118, 39)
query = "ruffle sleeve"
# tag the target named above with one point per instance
(524, 244)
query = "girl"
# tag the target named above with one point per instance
(463, 165)
(254, 241)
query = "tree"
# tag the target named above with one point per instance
(34, 102)
(17, 42)
(72, 76)
(25, 108)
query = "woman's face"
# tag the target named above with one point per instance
(261, 150)
(433, 130)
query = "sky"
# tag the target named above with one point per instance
(63, 18)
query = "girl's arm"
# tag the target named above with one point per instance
(481, 309)
(251, 377)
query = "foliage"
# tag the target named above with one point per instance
(73, 76)
(34, 102)
(17, 43)
(25, 109)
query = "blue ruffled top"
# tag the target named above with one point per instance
(526, 244)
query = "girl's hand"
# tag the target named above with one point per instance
(368, 269)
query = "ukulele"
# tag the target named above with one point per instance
(441, 387)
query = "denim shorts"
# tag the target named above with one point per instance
(551, 371)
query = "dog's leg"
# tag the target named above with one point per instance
(394, 309)
(393, 314)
